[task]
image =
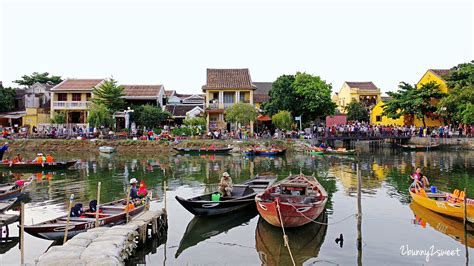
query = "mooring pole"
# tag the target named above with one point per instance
(465, 226)
(359, 216)
(71, 200)
(97, 207)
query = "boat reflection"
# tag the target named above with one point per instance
(305, 242)
(443, 224)
(202, 228)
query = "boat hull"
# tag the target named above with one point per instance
(56, 231)
(203, 151)
(340, 152)
(34, 166)
(212, 208)
(455, 210)
(292, 215)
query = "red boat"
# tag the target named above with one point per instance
(301, 200)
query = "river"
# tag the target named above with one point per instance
(393, 229)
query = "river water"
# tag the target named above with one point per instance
(393, 229)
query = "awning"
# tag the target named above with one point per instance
(264, 118)
(12, 115)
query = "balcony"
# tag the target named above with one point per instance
(79, 105)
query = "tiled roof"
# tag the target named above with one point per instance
(260, 95)
(180, 109)
(169, 93)
(218, 79)
(440, 72)
(77, 84)
(366, 85)
(141, 90)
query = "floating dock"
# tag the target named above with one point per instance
(108, 245)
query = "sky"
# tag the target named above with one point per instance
(173, 42)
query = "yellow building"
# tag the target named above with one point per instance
(431, 75)
(72, 96)
(223, 88)
(365, 92)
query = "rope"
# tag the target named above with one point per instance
(312, 220)
(285, 237)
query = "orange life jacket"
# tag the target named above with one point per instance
(49, 159)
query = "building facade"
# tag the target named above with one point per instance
(225, 87)
(364, 92)
(73, 96)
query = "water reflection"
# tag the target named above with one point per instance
(201, 228)
(304, 241)
(448, 226)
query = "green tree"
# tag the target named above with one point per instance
(413, 101)
(150, 116)
(282, 120)
(357, 112)
(59, 118)
(109, 94)
(282, 96)
(28, 80)
(301, 94)
(99, 116)
(7, 99)
(242, 113)
(195, 121)
(457, 105)
(315, 95)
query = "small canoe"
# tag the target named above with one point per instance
(7, 203)
(444, 224)
(33, 166)
(301, 199)
(249, 152)
(305, 242)
(242, 196)
(270, 152)
(107, 149)
(443, 203)
(113, 213)
(203, 150)
(340, 152)
(202, 228)
(12, 190)
(419, 147)
(316, 152)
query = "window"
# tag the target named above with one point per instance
(229, 97)
(88, 96)
(76, 97)
(378, 118)
(62, 97)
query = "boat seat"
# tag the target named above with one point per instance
(78, 219)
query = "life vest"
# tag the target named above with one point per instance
(49, 159)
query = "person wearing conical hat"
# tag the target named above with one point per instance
(225, 185)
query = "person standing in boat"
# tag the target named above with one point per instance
(225, 185)
(134, 189)
(419, 178)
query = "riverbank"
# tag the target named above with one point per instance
(462, 143)
(127, 146)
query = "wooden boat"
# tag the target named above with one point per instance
(301, 199)
(242, 196)
(203, 150)
(35, 166)
(419, 147)
(443, 203)
(113, 213)
(270, 152)
(107, 149)
(316, 152)
(202, 228)
(446, 225)
(12, 190)
(8, 243)
(305, 242)
(249, 152)
(7, 203)
(340, 152)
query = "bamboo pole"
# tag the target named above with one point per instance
(359, 215)
(71, 200)
(164, 193)
(128, 202)
(22, 233)
(98, 204)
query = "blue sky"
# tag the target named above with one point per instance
(173, 42)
